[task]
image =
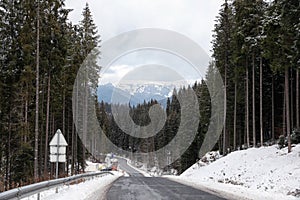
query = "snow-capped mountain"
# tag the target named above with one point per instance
(136, 92)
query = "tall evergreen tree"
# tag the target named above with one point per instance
(222, 55)
(89, 51)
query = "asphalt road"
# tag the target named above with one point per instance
(130, 171)
(138, 187)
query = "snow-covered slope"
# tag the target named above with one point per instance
(255, 173)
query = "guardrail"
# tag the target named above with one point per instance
(36, 188)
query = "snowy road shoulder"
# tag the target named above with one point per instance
(228, 191)
(256, 173)
(89, 189)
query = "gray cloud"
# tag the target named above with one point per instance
(152, 73)
(193, 18)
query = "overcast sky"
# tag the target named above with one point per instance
(192, 18)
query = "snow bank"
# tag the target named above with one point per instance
(90, 189)
(255, 173)
(93, 167)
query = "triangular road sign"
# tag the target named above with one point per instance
(58, 139)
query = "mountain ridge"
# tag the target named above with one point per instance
(136, 93)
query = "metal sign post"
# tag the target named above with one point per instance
(57, 157)
(58, 146)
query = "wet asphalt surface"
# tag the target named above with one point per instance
(138, 187)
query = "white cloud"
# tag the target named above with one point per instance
(114, 74)
(149, 65)
(192, 18)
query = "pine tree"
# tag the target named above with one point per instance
(90, 69)
(11, 69)
(280, 24)
(222, 55)
(34, 67)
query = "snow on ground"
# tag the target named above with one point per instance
(90, 189)
(92, 167)
(255, 173)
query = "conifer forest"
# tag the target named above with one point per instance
(255, 47)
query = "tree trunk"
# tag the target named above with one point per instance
(26, 118)
(64, 128)
(7, 182)
(253, 101)
(284, 114)
(225, 110)
(260, 102)
(76, 152)
(292, 103)
(72, 150)
(234, 116)
(273, 114)
(297, 98)
(84, 141)
(247, 106)
(288, 128)
(1, 158)
(47, 127)
(43, 88)
(76, 133)
(36, 142)
(245, 113)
